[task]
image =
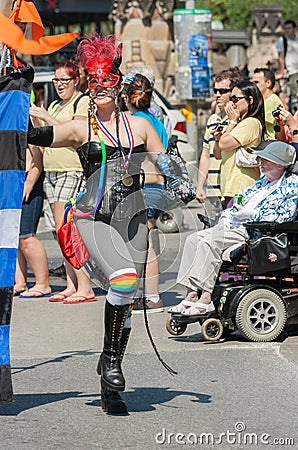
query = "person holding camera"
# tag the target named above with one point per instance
(209, 167)
(265, 80)
(286, 127)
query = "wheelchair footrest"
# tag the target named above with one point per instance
(193, 319)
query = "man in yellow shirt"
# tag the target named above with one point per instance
(265, 79)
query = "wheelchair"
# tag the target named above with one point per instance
(259, 305)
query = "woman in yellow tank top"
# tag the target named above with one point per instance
(63, 170)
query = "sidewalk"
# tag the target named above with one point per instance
(54, 354)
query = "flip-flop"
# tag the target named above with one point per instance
(16, 293)
(40, 294)
(74, 299)
(57, 298)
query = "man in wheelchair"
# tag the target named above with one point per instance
(273, 198)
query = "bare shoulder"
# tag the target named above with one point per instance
(136, 120)
(139, 124)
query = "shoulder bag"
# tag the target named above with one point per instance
(245, 157)
(185, 191)
(268, 254)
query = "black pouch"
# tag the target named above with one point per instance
(268, 254)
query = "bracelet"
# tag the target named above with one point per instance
(233, 121)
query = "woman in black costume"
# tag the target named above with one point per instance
(113, 225)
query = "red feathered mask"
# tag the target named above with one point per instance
(101, 57)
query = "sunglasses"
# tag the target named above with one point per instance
(235, 99)
(64, 81)
(221, 91)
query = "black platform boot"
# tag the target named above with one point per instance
(110, 363)
(111, 401)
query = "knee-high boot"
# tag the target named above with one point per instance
(123, 344)
(111, 401)
(110, 359)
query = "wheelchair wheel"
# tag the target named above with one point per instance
(261, 315)
(175, 327)
(212, 329)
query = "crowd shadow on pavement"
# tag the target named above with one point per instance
(145, 399)
(142, 399)
(25, 402)
(59, 359)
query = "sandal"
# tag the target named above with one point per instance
(17, 292)
(182, 306)
(58, 298)
(193, 310)
(74, 299)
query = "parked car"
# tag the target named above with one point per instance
(169, 221)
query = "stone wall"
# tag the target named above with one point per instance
(152, 46)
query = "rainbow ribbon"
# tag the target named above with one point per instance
(100, 184)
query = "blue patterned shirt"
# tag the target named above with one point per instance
(280, 205)
(264, 202)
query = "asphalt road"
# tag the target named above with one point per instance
(233, 394)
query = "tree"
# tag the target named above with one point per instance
(237, 14)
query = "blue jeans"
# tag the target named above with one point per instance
(31, 210)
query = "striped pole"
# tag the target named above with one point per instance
(15, 91)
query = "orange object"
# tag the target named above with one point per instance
(13, 37)
(26, 12)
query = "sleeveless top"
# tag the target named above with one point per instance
(119, 201)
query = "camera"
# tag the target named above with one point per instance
(219, 127)
(276, 112)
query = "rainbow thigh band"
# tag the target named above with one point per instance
(124, 282)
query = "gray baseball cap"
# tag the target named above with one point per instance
(279, 153)
(147, 71)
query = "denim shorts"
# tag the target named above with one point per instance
(155, 197)
(31, 210)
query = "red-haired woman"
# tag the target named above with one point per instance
(111, 214)
(63, 169)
